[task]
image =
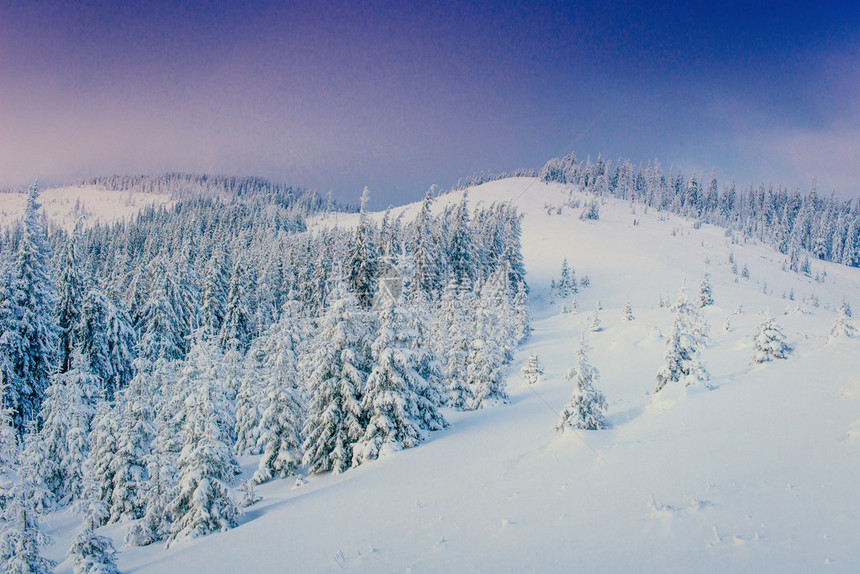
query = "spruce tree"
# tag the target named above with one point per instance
(453, 342)
(247, 430)
(33, 461)
(488, 355)
(337, 373)
(280, 422)
(532, 371)
(8, 436)
(93, 553)
(595, 319)
(29, 332)
(425, 249)
(107, 337)
(398, 417)
(201, 501)
(163, 318)
(683, 347)
(133, 447)
(586, 407)
(21, 539)
(70, 289)
(843, 327)
(705, 293)
(460, 246)
(100, 468)
(522, 315)
(214, 293)
(565, 288)
(627, 313)
(236, 327)
(769, 342)
(362, 258)
(67, 415)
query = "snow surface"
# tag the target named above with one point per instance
(758, 474)
(63, 206)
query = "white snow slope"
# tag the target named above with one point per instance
(63, 206)
(758, 474)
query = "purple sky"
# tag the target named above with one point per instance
(398, 96)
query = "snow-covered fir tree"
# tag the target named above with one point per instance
(280, 422)
(522, 314)
(215, 282)
(769, 342)
(247, 429)
(21, 540)
(201, 501)
(163, 322)
(397, 416)
(100, 467)
(460, 257)
(133, 440)
(586, 408)
(453, 341)
(8, 436)
(337, 372)
(627, 312)
(491, 345)
(706, 296)
(532, 371)
(70, 294)
(567, 283)
(362, 259)
(29, 332)
(108, 339)
(591, 211)
(425, 249)
(843, 325)
(418, 319)
(683, 346)
(236, 327)
(31, 469)
(67, 415)
(93, 554)
(595, 319)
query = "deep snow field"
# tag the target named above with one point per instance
(758, 474)
(65, 205)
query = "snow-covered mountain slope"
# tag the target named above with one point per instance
(65, 205)
(756, 474)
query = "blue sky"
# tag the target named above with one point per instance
(397, 96)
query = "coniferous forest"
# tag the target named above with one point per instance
(140, 358)
(792, 222)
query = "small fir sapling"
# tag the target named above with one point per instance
(705, 293)
(522, 315)
(689, 336)
(248, 494)
(21, 539)
(627, 313)
(769, 342)
(93, 554)
(532, 371)
(595, 321)
(843, 325)
(586, 407)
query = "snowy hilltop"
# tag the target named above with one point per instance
(530, 374)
